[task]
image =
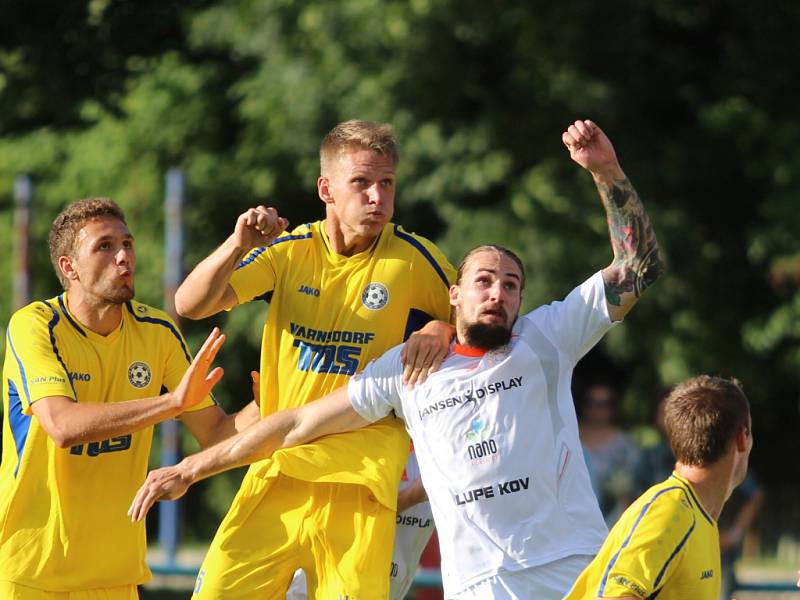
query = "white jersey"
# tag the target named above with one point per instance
(497, 441)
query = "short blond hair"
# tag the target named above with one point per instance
(369, 135)
(69, 222)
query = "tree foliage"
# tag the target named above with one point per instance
(102, 97)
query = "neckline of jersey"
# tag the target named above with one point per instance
(93, 335)
(465, 350)
(335, 256)
(693, 494)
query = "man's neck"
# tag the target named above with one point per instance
(344, 241)
(100, 317)
(711, 484)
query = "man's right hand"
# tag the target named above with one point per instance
(258, 227)
(197, 382)
(166, 483)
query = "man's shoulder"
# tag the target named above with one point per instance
(39, 312)
(143, 315)
(418, 250)
(299, 234)
(668, 502)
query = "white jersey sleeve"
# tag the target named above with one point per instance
(377, 390)
(576, 323)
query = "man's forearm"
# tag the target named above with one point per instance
(637, 259)
(203, 292)
(257, 442)
(69, 423)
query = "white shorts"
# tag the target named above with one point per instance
(414, 529)
(551, 581)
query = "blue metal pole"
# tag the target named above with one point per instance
(169, 512)
(23, 197)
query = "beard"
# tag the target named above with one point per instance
(487, 336)
(118, 295)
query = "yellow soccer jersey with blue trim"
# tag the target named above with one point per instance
(63, 522)
(330, 315)
(665, 544)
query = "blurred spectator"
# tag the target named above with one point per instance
(611, 455)
(735, 520)
(656, 460)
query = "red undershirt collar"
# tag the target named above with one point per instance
(465, 350)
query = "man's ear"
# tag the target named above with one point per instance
(67, 268)
(324, 190)
(455, 295)
(741, 438)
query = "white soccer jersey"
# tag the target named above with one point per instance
(497, 441)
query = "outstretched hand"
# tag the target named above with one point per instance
(167, 483)
(197, 382)
(590, 148)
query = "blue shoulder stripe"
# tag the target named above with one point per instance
(675, 552)
(68, 316)
(615, 557)
(52, 326)
(163, 323)
(699, 506)
(424, 251)
(22, 374)
(19, 422)
(287, 238)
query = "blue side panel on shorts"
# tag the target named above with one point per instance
(20, 423)
(424, 251)
(416, 319)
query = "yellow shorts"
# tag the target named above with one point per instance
(338, 533)
(14, 591)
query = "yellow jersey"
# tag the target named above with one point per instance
(665, 544)
(63, 521)
(329, 315)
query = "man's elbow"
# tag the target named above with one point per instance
(64, 438)
(185, 308)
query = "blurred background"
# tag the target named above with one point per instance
(103, 97)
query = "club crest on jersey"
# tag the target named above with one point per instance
(139, 374)
(375, 296)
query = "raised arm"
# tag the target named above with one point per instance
(69, 423)
(637, 259)
(206, 291)
(330, 414)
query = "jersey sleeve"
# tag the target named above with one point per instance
(651, 549)
(177, 360)
(576, 323)
(376, 391)
(33, 358)
(255, 276)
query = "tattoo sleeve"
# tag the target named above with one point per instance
(637, 258)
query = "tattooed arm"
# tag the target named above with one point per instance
(637, 259)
